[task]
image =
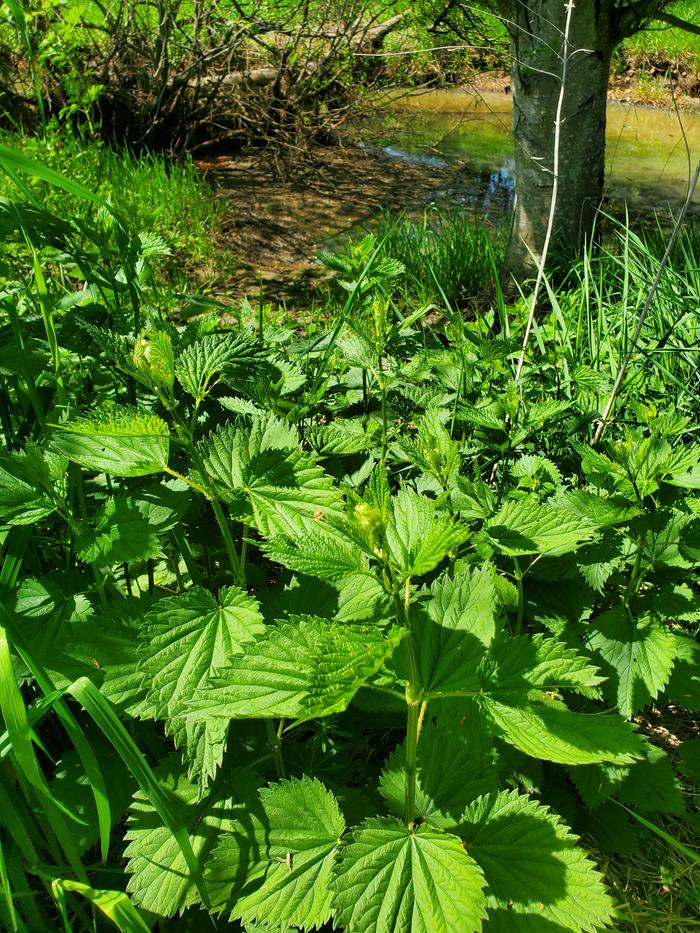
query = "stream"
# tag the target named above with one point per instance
(650, 153)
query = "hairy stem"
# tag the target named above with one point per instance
(276, 745)
(412, 733)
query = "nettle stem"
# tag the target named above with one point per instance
(273, 737)
(186, 440)
(416, 707)
(412, 733)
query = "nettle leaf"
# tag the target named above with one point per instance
(451, 773)
(533, 865)
(301, 669)
(390, 879)
(649, 785)
(684, 683)
(452, 635)
(71, 787)
(418, 539)
(340, 438)
(522, 663)
(275, 864)
(153, 358)
(599, 509)
(160, 879)
(527, 526)
(119, 534)
(563, 736)
(120, 440)
(267, 479)
(198, 365)
(24, 488)
(163, 505)
(315, 554)
(184, 640)
(106, 650)
(640, 653)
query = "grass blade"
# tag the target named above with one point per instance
(115, 905)
(87, 694)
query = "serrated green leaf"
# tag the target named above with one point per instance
(453, 634)
(106, 651)
(417, 538)
(300, 669)
(340, 438)
(119, 533)
(160, 880)
(153, 358)
(683, 686)
(639, 653)
(184, 641)
(523, 664)
(527, 526)
(600, 510)
(315, 554)
(24, 498)
(649, 785)
(119, 440)
(533, 865)
(71, 787)
(275, 865)
(267, 479)
(198, 365)
(390, 879)
(563, 736)
(449, 776)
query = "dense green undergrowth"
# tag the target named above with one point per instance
(343, 630)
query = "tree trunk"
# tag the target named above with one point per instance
(537, 28)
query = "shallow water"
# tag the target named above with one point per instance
(651, 153)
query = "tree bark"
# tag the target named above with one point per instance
(537, 37)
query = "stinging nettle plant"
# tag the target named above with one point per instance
(258, 597)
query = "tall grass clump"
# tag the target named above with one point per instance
(445, 258)
(166, 198)
(594, 312)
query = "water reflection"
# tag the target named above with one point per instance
(650, 152)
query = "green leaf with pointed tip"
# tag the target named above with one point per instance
(199, 365)
(450, 775)
(300, 669)
(533, 865)
(153, 358)
(267, 479)
(106, 651)
(118, 534)
(340, 438)
(389, 879)
(528, 526)
(418, 539)
(71, 786)
(563, 736)
(120, 440)
(24, 496)
(184, 641)
(315, 554)
(683, 686)
(523, 664)
(453, 634)
(649, 785)
(640, 654)
(160, 880)
(275, 864)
